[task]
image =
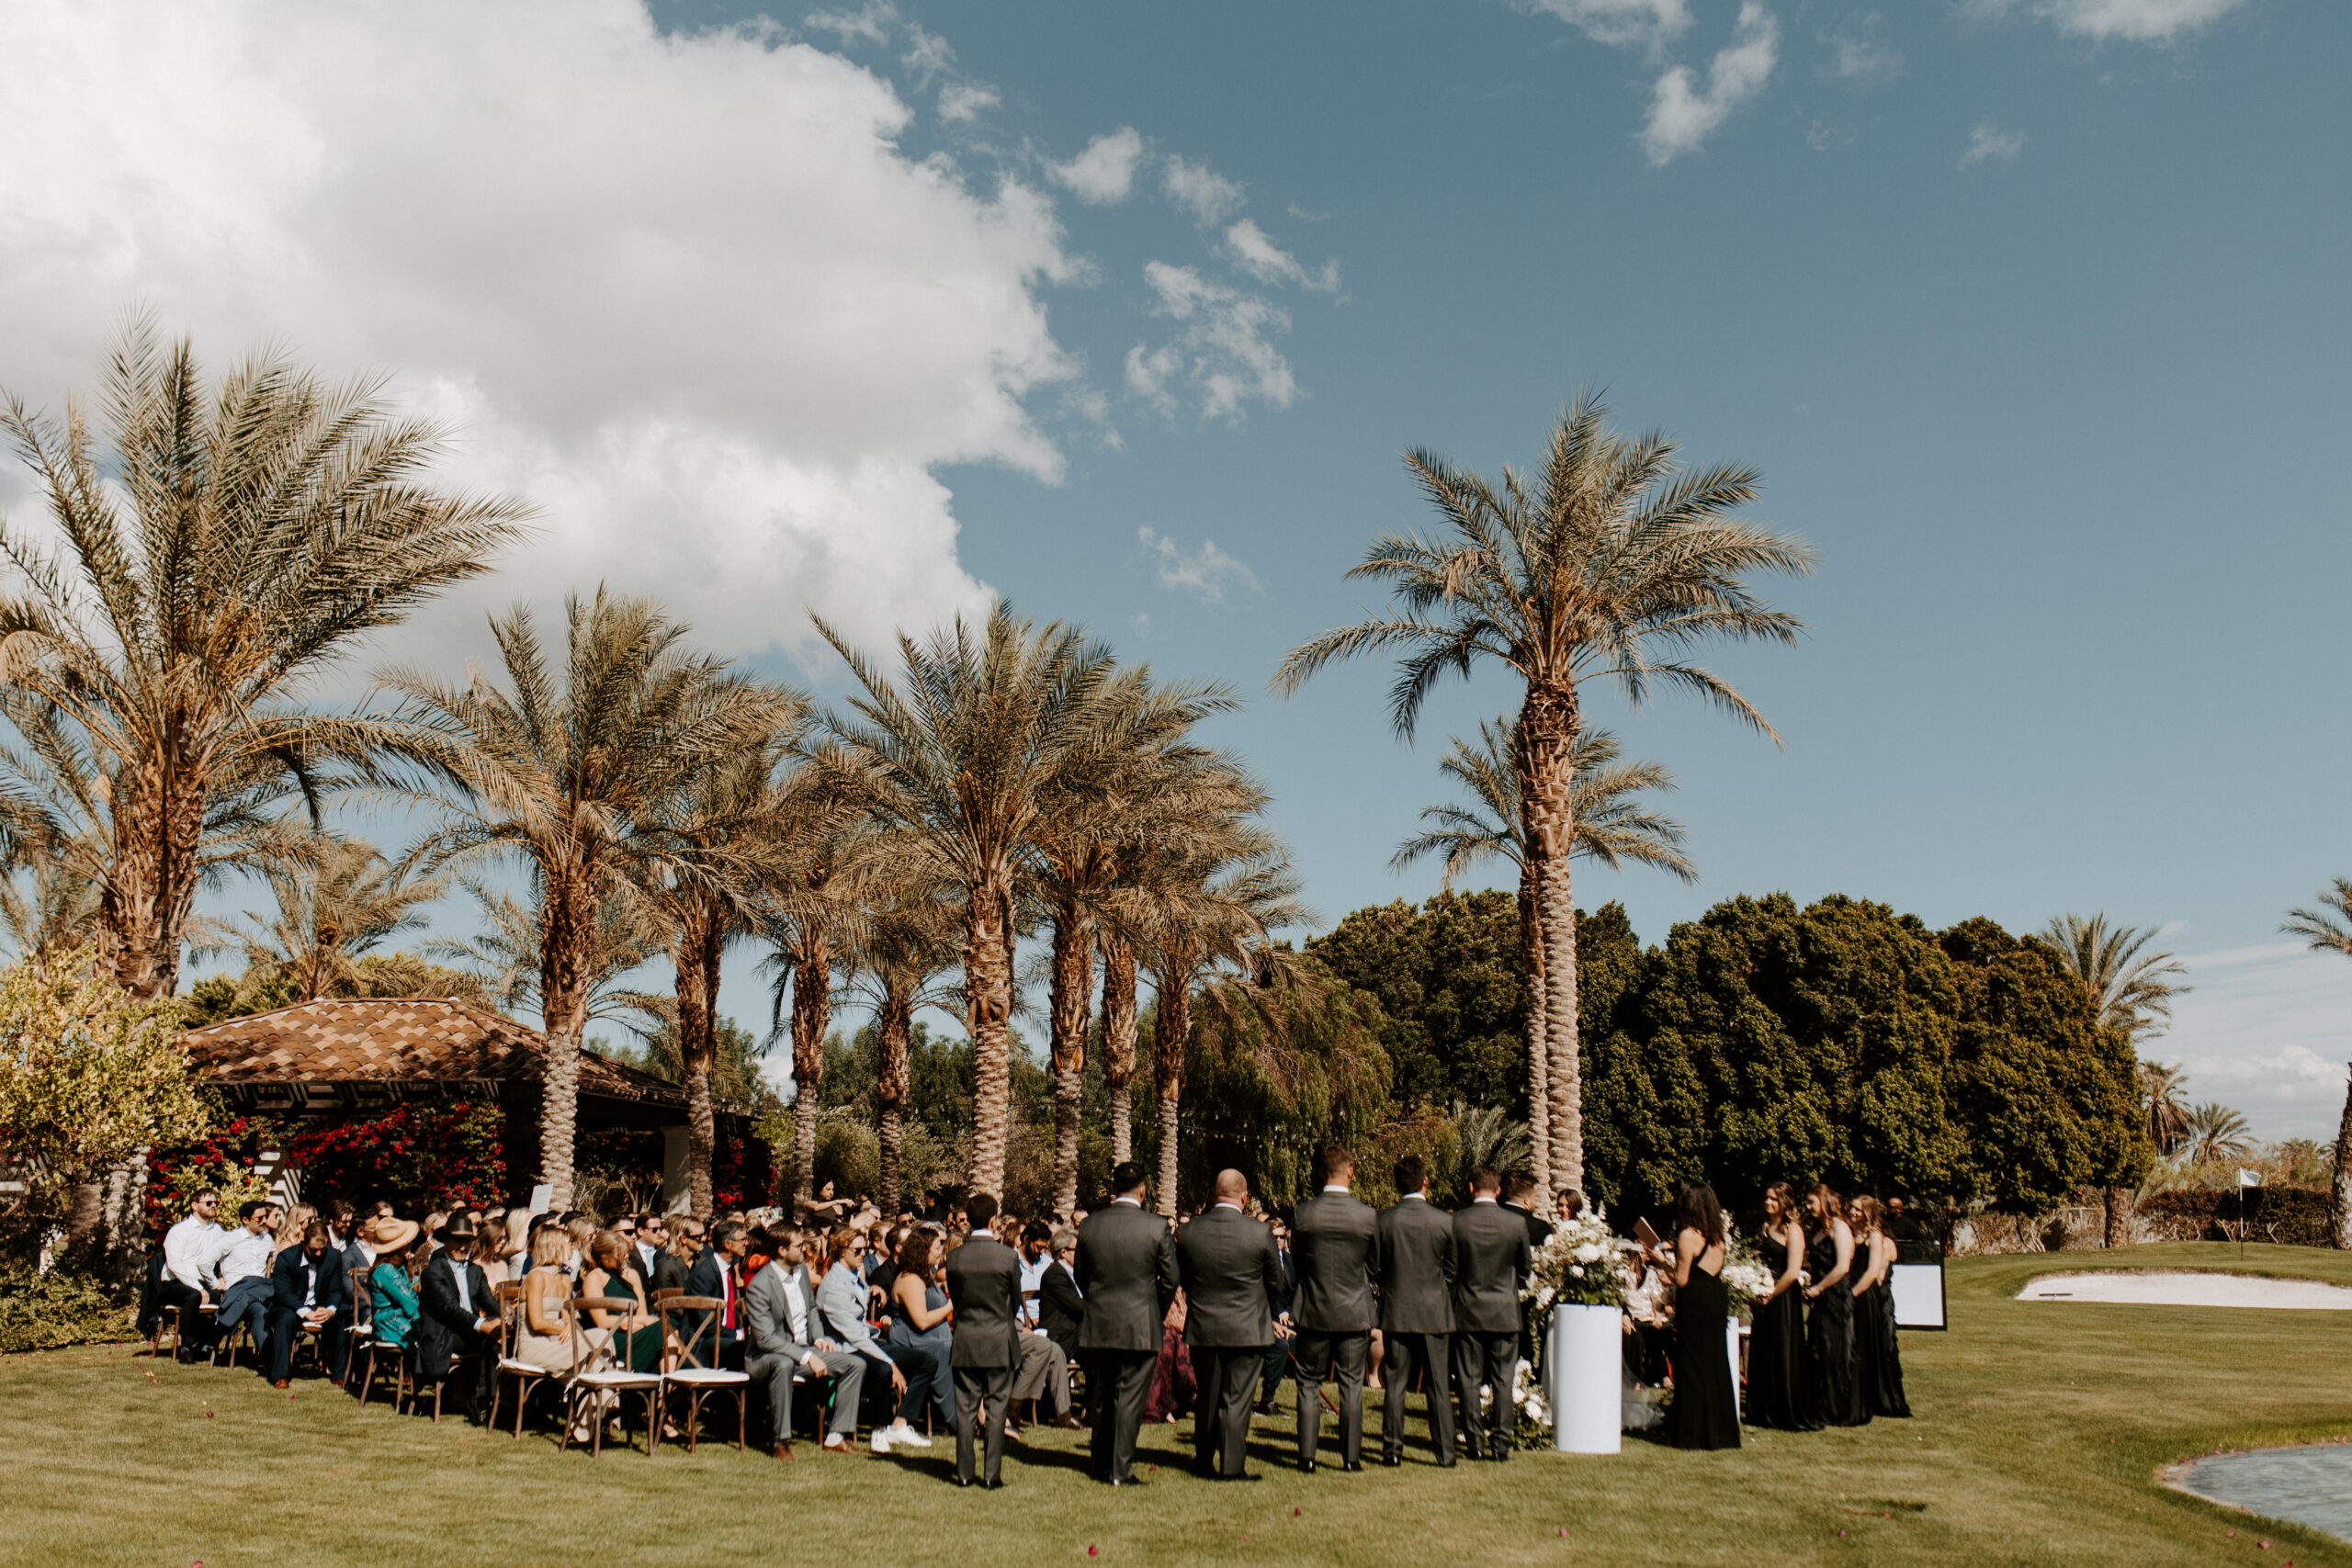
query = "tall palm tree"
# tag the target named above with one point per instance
(1122, 1033)
(2217, 1134)
(896, 960)
(1611, 825)
(963, 753)
(504, 956)
(233, 545)
(2160, 1091)
(2132, 990)
(1612, 564)
(2328, 929)
(336, 902)
(570, 771)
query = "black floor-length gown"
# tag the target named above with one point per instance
(1706, 1409)
(1779, 1383)
(1879, 1364)
(1829, 1339)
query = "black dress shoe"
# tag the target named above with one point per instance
(1500, 1456)
(1307, 1467)
(1131, 1481)
(996, 1485)
(1353, 1467)
(1245, 1477)
(1264, 1407)
(1391, 1460)
(960, 1481)
(1445, 1464)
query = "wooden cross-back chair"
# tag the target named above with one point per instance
(524, 1375)
(588, 1381)
(682, 1351)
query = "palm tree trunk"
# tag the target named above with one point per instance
(1539, 1060)
(1073, 1009)
(1171, 1029)
(565, 928)
(988, 974)
(1540, 744)
(695, 957)
(2117, 1232)
(151, 888)
(812, 1006)
(894, 1032)
(2344, 1176)
(1119, 1044)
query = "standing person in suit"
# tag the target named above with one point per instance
(310, 1291)
(788, 1339)
(1126, 1272)
(1278, 1357)
(1230, 1274)
(984, 1284)
(1416, 1271)
(457, 1337)
(1491, 1263)
(1521, 1197)
(714, 1276)
(1337, 1241)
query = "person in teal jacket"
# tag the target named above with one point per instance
(388, 1282)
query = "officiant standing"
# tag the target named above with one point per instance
(1336, 1241)
(1232, 1279)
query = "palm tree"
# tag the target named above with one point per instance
(233, 545)
(2132, 991)
(1611, 565)
(2217, 1134)
(336, 902)
(895, 960)
(963, 755)
(505, 959)
(1611, 825)
(2160, 1091)
(1122, 1032)
(570, 772)
(2328, 929)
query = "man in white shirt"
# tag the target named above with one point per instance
(240, 1274)
(190, 1249)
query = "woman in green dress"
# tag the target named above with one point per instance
(637, 1334)
(393, 1293)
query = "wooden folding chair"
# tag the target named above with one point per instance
(361, 1340)
(526, 1374)
(682, 1351)
(588, 1380)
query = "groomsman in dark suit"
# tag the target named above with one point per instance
(1278, 1353)
(1336, 1240)
(1230, 1276)
(1491, 1263)
(1416, 1272)
(984, 1283)
(1126, 1271)
(1521, 1197)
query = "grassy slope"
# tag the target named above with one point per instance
(2040, 1428)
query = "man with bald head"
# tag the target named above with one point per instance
(1232, 1278)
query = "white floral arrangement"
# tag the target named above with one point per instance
(1577, 1267)
(1532, 1415)
(1746, 1277)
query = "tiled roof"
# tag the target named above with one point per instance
(408, 1041)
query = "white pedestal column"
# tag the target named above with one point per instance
(1731, 1349)
(1586, 1358)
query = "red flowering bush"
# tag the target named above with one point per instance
(417, 1156)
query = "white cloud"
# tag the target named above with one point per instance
(1220, 353)
(1988, 140)
(2132, 21)
(1199, 190)
(1866, 61)
(683, 292)
(1647, 22)
(1208, 574)
(1104, 173)
(1681, 116)
(1258, 255)
(869, 24)
(967, 100)
(2267, 1029)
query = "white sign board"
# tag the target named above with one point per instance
(542, 1196)
(1918, 1294)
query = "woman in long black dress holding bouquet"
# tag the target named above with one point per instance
(1829, 1331)
(1878, 1362)
(1780, 1386)
(1706, 1408)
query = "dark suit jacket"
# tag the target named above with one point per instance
(1538, 1229)
(1127, 1268)
(1231, 1277)
(444, 1330)
(706, 1278)
(1490, 1261)
(984, 1281)
(670, 1271)
(1060, 1309)
(1336, 1241)
(290, 1280)
(1417, 1269)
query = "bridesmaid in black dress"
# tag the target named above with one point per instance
(1879, 1363)
(1780, 1386)
(1706, 1407)
(1829, 1333)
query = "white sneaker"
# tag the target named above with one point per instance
(900, 1432)
(833, 1443)
(881, 1444)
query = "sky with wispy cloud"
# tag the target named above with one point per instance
(2031, 311)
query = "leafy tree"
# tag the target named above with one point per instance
(2328, 929)
(1452, 994)
(236, 542)
(1612, 564)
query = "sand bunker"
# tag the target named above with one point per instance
(2149, 1287)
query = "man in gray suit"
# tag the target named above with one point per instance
(1126, 1271)
(1335, 1240)
(1491, 1262)
(780, 1319)
(984, 1283)
(1416, 1310)
(1232, 1279)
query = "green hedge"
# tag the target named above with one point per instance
(42, 1312)
(2291, 1216)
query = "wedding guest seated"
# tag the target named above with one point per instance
(788, 1344)
(543, 1336)
(637, 1333)
(242, 1274)
(396, 1307)
(1062, 1311)
(920, 1339)
(842, 1305)
(714, 1276)
(490, 1246)
(310, 1293)
(457, 1337)
(190, 1248)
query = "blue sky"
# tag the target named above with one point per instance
(2031, 314)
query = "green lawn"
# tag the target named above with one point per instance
(2040, 1431)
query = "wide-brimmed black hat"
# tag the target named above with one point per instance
(460, 1228)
